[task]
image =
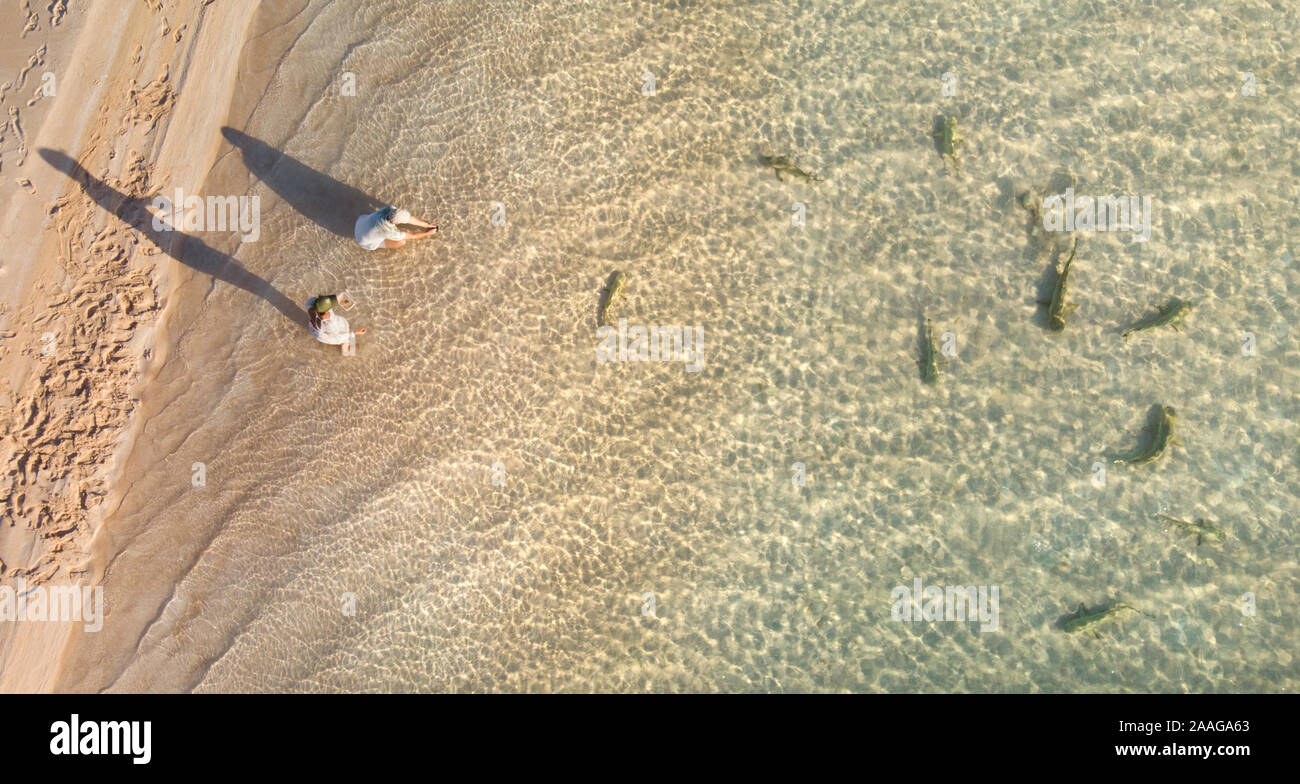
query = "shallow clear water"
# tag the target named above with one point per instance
(373, 475)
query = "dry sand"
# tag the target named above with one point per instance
(141, 90)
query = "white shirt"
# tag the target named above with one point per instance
(332, 330)
(370, 232)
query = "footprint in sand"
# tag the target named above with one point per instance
(34, 61)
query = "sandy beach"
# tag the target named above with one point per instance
(479, 500)
(85, 297)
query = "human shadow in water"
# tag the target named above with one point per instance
(190, 251)
(323, 199)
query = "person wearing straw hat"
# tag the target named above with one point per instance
(326, 325)
(382, 229)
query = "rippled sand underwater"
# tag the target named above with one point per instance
(625, 489)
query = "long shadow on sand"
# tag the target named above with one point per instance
(190, 251)
(323, 199)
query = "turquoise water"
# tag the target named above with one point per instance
(511, 514)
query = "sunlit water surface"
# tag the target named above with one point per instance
(511, 514)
